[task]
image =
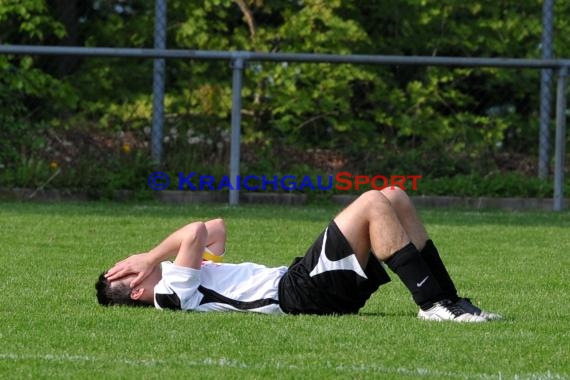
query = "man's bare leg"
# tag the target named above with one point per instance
(395, 218)
(410, 219)
(372, 222)
(407, 214)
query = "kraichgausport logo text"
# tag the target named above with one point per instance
(343, 181)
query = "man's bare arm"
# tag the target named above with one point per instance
(191, 249)
(143, 263)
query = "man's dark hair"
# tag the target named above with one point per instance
(120, 294)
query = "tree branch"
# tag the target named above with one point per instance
(248, 17)
(314, 118)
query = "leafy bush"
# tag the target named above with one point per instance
(458, 127)
(495, 185)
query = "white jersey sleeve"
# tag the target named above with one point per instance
(177, 288)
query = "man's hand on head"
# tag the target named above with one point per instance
(140, 265)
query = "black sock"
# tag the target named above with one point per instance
(409, 265)
(433, 260)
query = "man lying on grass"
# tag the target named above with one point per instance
(337, 275)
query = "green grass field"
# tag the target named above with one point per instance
(516, 264)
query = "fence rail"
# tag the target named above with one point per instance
(285, 57)
(238, 60)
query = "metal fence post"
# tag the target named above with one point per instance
(237, 68)
(560, 144)
(158, 83)
(545, 90)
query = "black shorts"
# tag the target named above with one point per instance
(333, 284)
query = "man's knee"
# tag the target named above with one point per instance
(374, 200)
(396, 196)
(394, 192)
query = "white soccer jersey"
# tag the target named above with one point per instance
(219, 287)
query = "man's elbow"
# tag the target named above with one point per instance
(217, 224)
(221, 222)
